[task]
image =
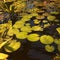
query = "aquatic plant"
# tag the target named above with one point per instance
(58, 30)
(33, 37)
(51, 18)
(46, 39)
(12, 46)
(49, 48)
(37, 23)
(3, 56)
(57, 57)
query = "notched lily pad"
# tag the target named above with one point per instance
(46, 39)
(49, 48)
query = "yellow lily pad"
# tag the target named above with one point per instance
(10, 32)
(13, 46)
(51, 18)
(36, 21)
(55, 13)
(40, 17)
(21, 35)
(58, 30)
(37, 28)
(59, 47)
(26, 29)
(18, 24)
(33, 37)
(3, 56)
(46, 39)
(49, 48)
(57, 41)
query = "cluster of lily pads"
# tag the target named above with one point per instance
(31, 26)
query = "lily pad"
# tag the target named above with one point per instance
(58, 30)
(46, 39)
(51, 18)
(37, 28)
(13, 46)
(59, 47)
(33, 37)
(49, 48)
(3, 56)
(26, 29)
(21, 35)
(55, 13)
(57, 41)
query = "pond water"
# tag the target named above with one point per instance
(32, 51)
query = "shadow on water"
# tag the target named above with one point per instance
(31, 51)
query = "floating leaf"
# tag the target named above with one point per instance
(15, 31)
(36, 21)
(57, 41)
(3, 56)
(51, 18)
(9, 0)
(58, 30)
(13, 46)
(37, 28)
(49, 48)
(58, 47)
(40, 17)
(46, 39)
(21, 35)
(55, 13)
(10, 32)
(33, 37)
(46, 25)
(18, 24)
(2, 44)
(26, 29)
(46, 14)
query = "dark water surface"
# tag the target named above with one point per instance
(31, 51)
